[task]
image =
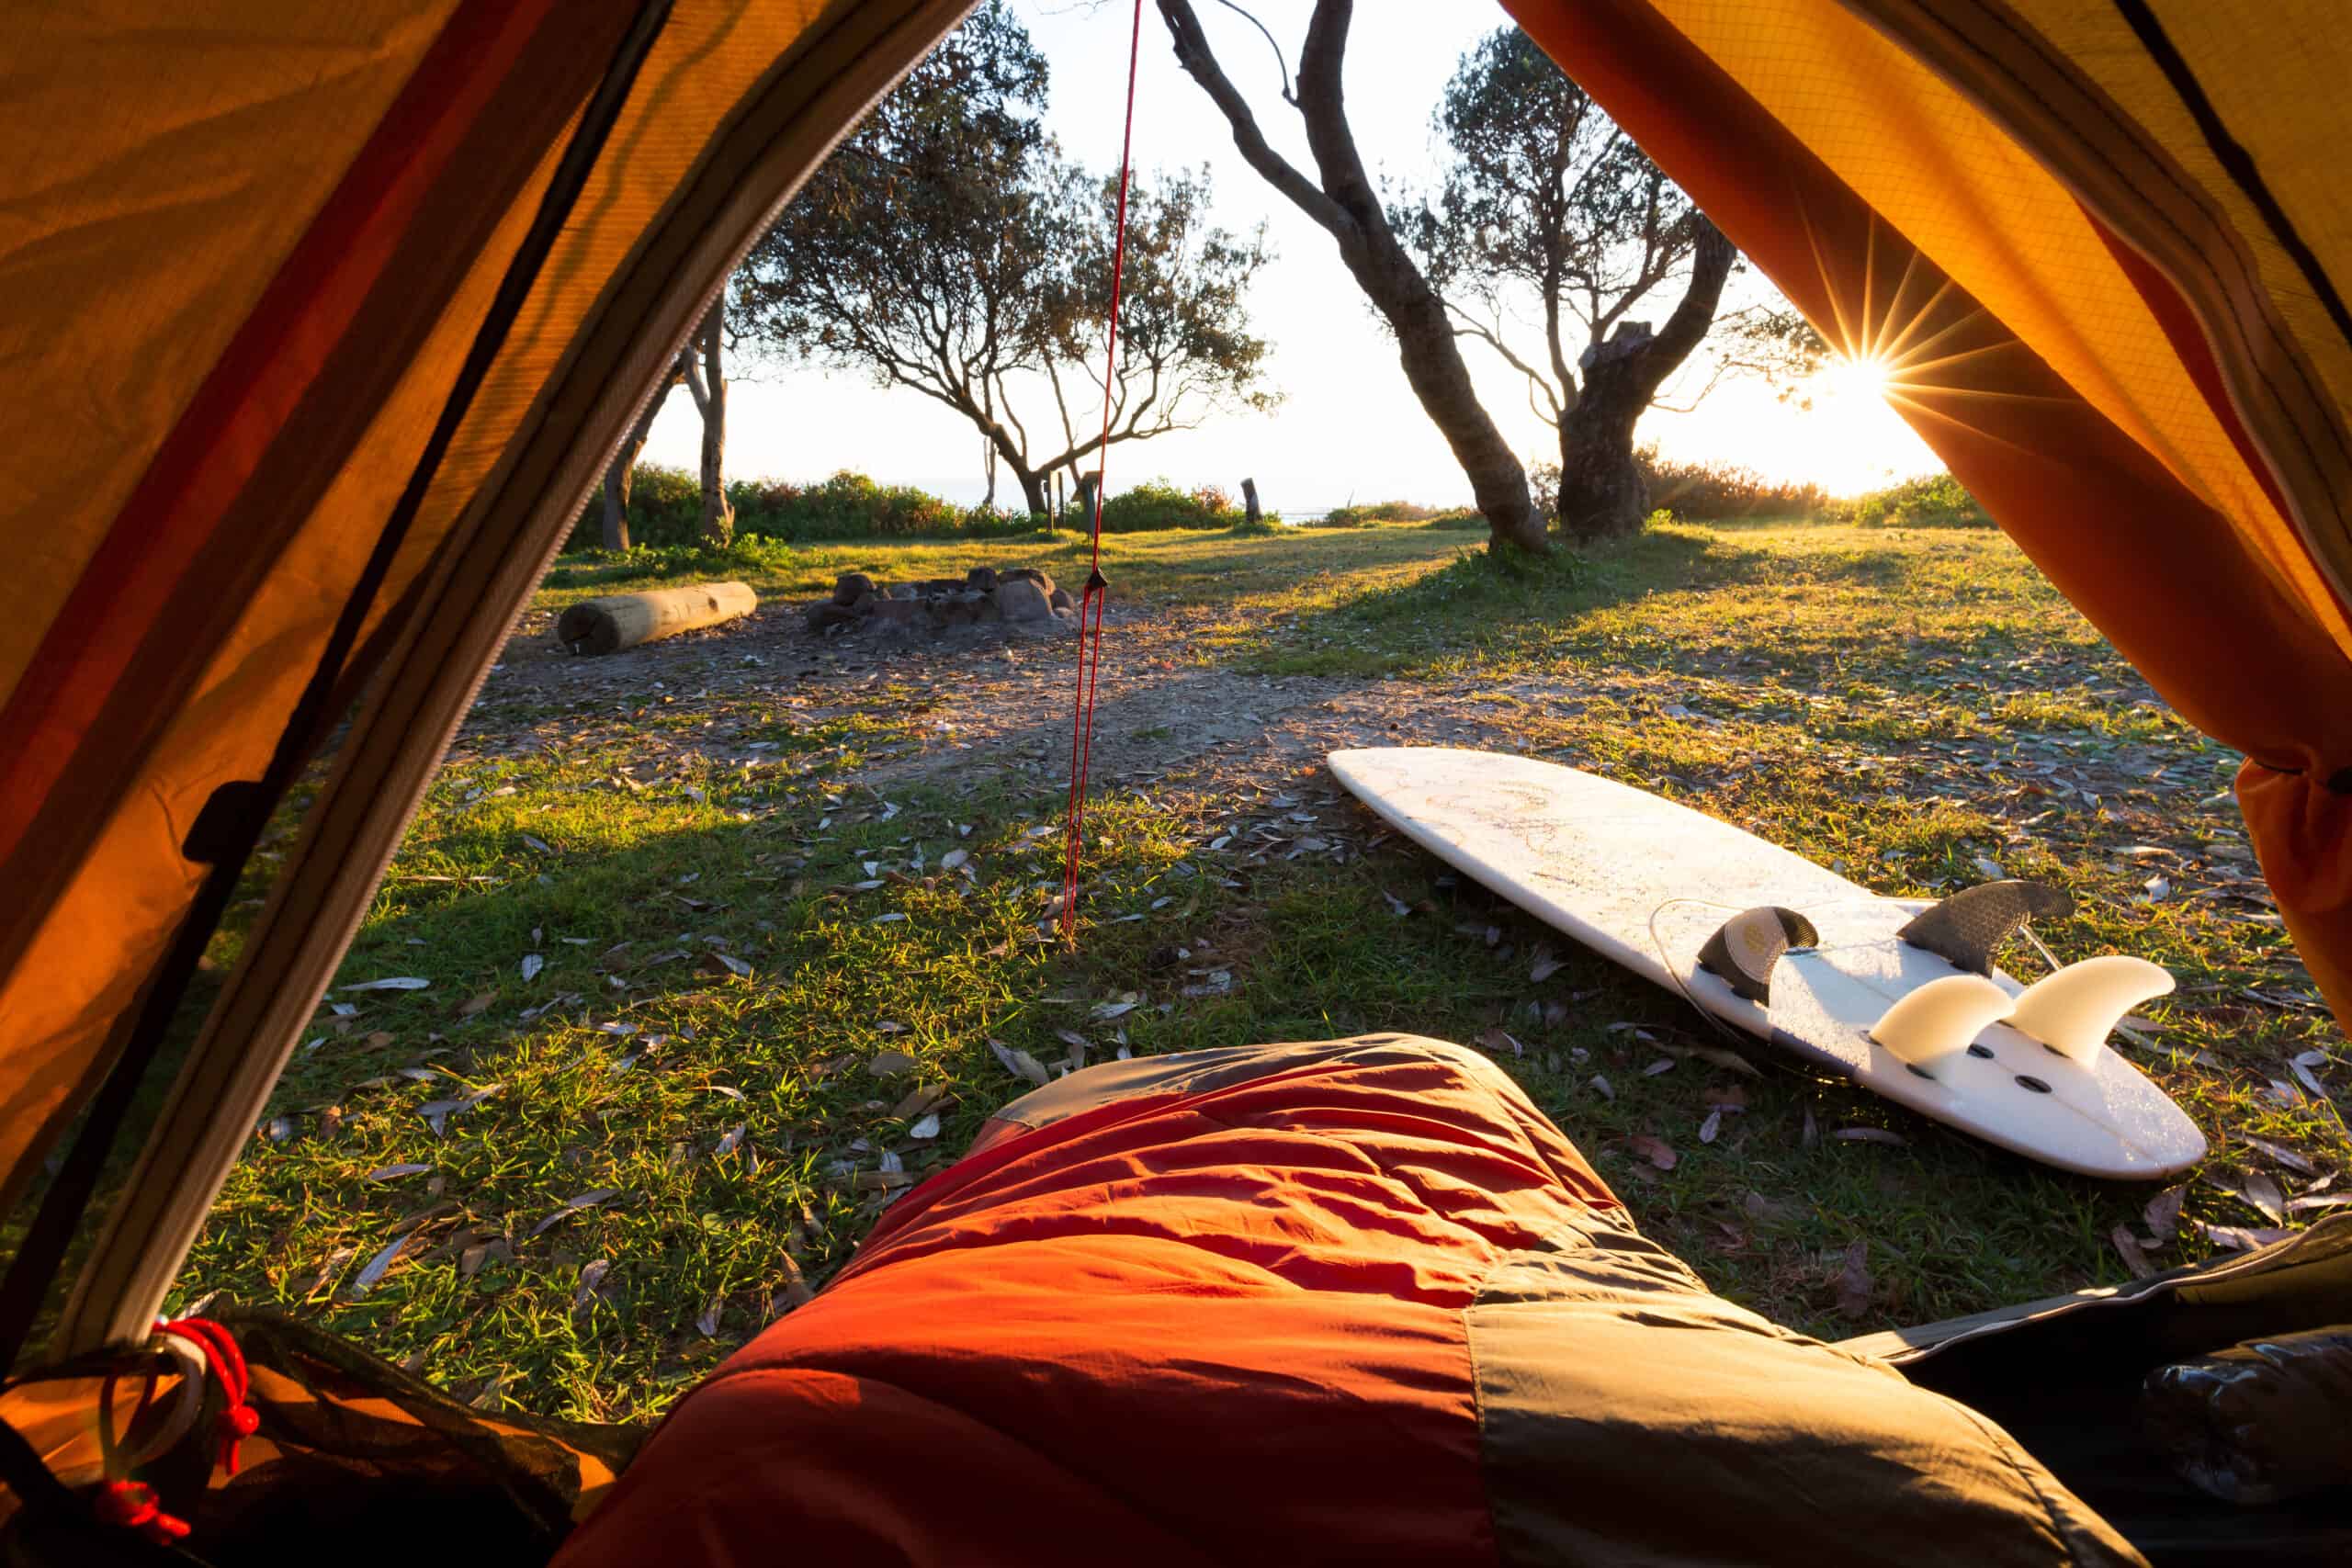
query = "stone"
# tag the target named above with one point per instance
(829, 614)
(1060, 600)
(897, 612)
(1027, 574)
(851, 586)
(981, 579)
(1021, 600)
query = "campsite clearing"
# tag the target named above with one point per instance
(720, 935)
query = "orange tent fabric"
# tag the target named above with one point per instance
(249, 247)
(2059, 224)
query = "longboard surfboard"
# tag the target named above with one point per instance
(1648, 883)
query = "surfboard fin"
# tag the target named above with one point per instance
(2072, 1009)
(1964, 929)
(1940, 1018)
(1744, 949)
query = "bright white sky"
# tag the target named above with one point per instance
(1349, 426)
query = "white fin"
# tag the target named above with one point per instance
(1940, 1018)
(2070, 1009)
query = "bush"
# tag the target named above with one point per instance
(665, 511)
(1158, 505)
(593, 568)
(1932, 501)
(1351, 515)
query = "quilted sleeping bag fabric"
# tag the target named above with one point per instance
(1353, 1301)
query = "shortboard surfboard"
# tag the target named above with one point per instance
(1786, 950)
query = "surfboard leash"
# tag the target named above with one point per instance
(1090, 608)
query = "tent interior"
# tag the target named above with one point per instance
(363, 297)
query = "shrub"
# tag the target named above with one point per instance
(1158, 505)
(1352, 515)
(1932, 501)
(665, 511)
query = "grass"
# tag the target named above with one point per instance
(680, 956)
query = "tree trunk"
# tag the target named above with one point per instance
(1602, 494)
(1086, 483)
(1033, 491)
(1343, 199)
(987, 467)
(1249, 499)
(620, 474)
(706, 377)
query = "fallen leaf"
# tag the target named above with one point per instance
(725, 963)
(793, 1292)
(928, 1127)
(1854, 1283)
(368, 1277)
(889, 1026)
(592, 1274)
(532, 964)
(732, 1136)
(539, 844)
(1021, 1064)
(2302, 1065)
(2163, 1214)
(328, 1269)
(2318, 1200)
(393, 1172)
(2290, 1158)
(2159, 889)
(1654, 1150)
(1109, 1010)
(1663, 1065)
(1496, 1041)
(2259, 1189)
(1710, 1126)
(396, 983)
(953, 858)
(1546, 964)
(1725, 1057)
(1073, 1038)
(1220, 983)
(2127, 1246)
(477, 1005)
(573, 1206)
(889, 1063)
(1396, 906)
(708, 1324)
(2240, 1238)
(1990, 869)
(1871, 1136)
(278, 1129)
(1601, 1085)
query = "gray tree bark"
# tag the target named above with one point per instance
(1250, 499)
(1602, 494)
(705, 376)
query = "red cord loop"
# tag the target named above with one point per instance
(132, 1505)
(239, 1421)
(1090, 608)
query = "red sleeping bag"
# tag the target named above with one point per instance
(1356, 1301)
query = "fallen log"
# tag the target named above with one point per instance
(624, 620)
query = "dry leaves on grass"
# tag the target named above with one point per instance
(2128, 1247)
(2259, 1189)
(890, 1064)
(1494, 1041)
(1871, 1136)
(1658, 1151)
(1021, 1064)
(2163, 1214)
(573, 1206)
(1854, 1283)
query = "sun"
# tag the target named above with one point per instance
(1855, 381)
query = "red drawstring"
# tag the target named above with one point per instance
(133, 1504)
(227, 1362)
(1090, 638)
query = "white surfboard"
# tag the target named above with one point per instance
(1648, 883)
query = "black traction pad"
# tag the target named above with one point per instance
(1745, 948)
(1966, 928)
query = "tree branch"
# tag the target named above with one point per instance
(1192, 53)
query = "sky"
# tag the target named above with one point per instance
(1348, 426)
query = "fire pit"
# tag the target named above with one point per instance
(1021, 600)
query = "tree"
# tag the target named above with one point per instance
(948, 248)
(699, 364)
(1342, 201)
(1545, 196)
(700, 367)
